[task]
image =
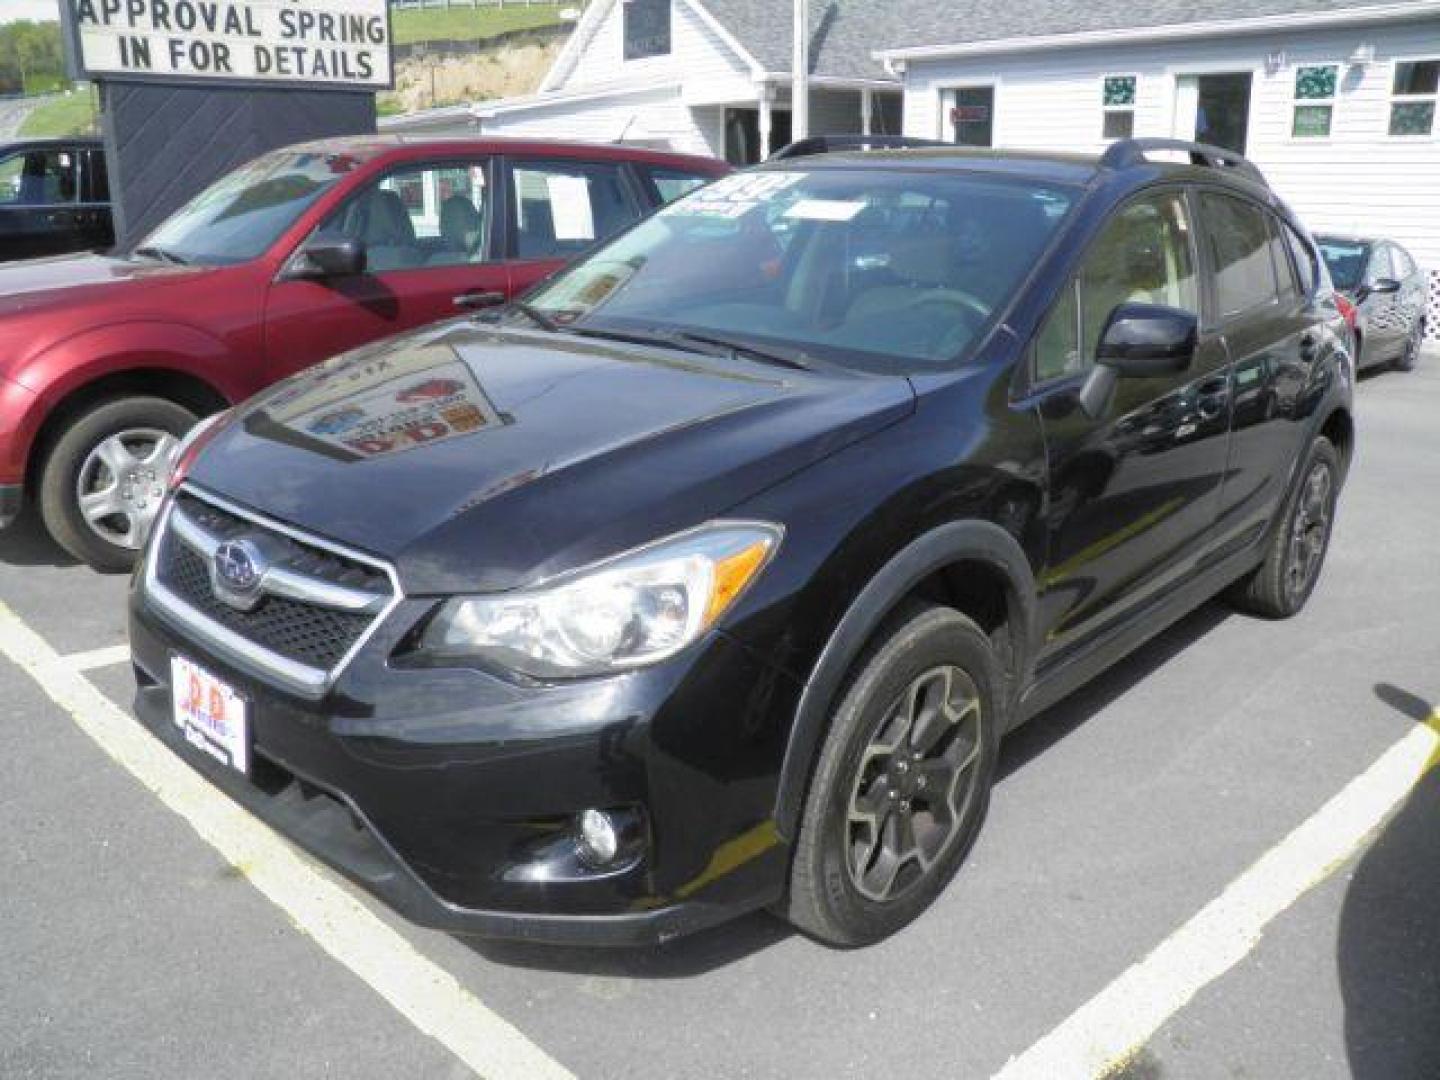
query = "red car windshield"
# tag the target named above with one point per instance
(239, 216)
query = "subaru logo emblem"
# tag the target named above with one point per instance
(236, 571)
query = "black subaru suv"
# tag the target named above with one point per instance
(710, 576)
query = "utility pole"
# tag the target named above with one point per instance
(800, 85)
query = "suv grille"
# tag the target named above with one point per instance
(308, 632)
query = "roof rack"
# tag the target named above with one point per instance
(830, 144)
(1127, 153)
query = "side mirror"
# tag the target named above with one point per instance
(1384, 286)
(326, 257)
(1140, 341)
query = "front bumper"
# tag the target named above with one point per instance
(12, 499)
(445, 792)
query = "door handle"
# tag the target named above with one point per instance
(474, 301)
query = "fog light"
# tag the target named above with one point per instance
(599, 837)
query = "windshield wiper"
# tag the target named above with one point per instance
(692, 342)
(740, 348)
(534, 314)
(161, 255)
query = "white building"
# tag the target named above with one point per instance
(704, 76)
(1335, 101)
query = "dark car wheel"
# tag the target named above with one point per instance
(1411, 354)
(105, 476)
(1287, 577)
(903, 779)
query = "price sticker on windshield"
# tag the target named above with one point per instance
(734, 196)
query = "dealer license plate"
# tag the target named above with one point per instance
(210, 714)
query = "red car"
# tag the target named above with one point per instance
(106, 361)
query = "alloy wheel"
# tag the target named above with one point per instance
(122, 483)
(1309, 531)
(914, 784)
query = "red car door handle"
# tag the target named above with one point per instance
(472, 301)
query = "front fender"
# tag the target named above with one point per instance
(971, 540)
(70, 365)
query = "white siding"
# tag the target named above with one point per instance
(709, 67)
(1357, 180)
(655, 118)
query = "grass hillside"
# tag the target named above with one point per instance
(73, 114)
(470, 24)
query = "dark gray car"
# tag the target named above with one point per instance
(1388, 290)
(54, 198)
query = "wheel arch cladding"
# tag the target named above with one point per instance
(1339, 428)
(974, 566)
(183, 388)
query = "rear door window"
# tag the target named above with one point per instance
(1304, 260)
(1241, 254)
(97, 182)
(560, 208)
(1400, 260)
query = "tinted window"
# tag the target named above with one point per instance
(886, 270)
(242, 214)
(1145, 255)
(1345, 259)
(424, 215)
(672, 183)
(97, 188)
(560, 208)
(1280, 256)
(1240, 248)
(38, 178)
(1304, 260)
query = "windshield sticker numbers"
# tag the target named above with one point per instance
(733, 196)
(824, 210)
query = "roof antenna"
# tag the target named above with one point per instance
(620, 139)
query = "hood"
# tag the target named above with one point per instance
(480, 460)
(37, 284)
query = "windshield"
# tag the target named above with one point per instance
(890, 271)
(239, 216)
(1345, 260)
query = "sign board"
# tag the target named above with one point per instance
(317, 44)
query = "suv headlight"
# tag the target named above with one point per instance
(626, 612)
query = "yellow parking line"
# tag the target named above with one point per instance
(1113, 1024)
(424, 993)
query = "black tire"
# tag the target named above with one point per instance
(824, 898)
(1411, 354)
(60, 473)
(1278, 589)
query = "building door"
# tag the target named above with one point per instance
(742, 135)
(1214, 109)
(970, 115)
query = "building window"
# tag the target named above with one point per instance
(1118, 101)
(1412, 97)
(1314, 106)
(646, 28)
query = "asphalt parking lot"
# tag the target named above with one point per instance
(1168, 884)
